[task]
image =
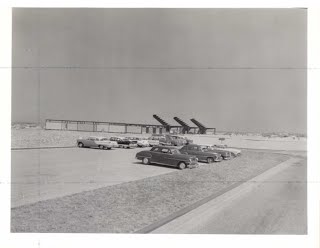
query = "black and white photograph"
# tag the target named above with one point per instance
(190, 121)
(160, 121)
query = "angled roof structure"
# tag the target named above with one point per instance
(202, 128)
(162, 122)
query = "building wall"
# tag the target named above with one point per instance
(102, 127)
(134, 129)
(85, 126)
(55, 125)
(117, 128)
(73, 126)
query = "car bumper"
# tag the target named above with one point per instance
(219, 159)
(227, 157)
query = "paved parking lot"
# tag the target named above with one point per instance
(42, 174)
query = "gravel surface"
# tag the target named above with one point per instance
(131, 206)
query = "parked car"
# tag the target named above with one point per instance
(224, 153)
(188, 141)
(171, 140)
(96, 142)
(201, 154)
(116, 138)
(126, 143)
(154, 140)
(134, 140)
(234, 152)
(143, 143)
(165, 155)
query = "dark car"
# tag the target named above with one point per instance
(201, 154)
(165, 155)
(125, 143)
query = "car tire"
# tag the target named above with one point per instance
(210, 160)
(182, 165)
(80, 144)
(101, 147)
(109, 148)
(146, 161)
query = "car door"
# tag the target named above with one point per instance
(87, 142)
(94, 142)
(166, 157)
(170, 158)
(196, 151)
(155, 155)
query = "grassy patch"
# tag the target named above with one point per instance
(131, 206)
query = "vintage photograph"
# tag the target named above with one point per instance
(159, 120)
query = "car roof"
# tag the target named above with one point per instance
(193, 145)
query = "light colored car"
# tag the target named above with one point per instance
(224, 153)
(96, 142)
(234, 152)
(154, 140)
(143, 143)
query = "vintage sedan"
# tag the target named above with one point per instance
(143, 143)
(154, 140)
(224, 153)
(166, 155)
(234, 152)
(96, 142)
(201, 154)
(126, 143)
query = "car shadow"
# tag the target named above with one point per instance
(157, 165)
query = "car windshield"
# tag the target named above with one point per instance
(205, 149)
(175, 151)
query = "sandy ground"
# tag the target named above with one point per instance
(31, 137)
(49, 173)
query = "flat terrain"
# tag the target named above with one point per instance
(115, 193)
(91, 190)
(276, 205)
(31, 137)
(42, 174)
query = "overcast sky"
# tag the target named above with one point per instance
(233, 69)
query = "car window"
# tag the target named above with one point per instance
(193, 148)
(155, 149)
(165, 150)
(175, 151)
